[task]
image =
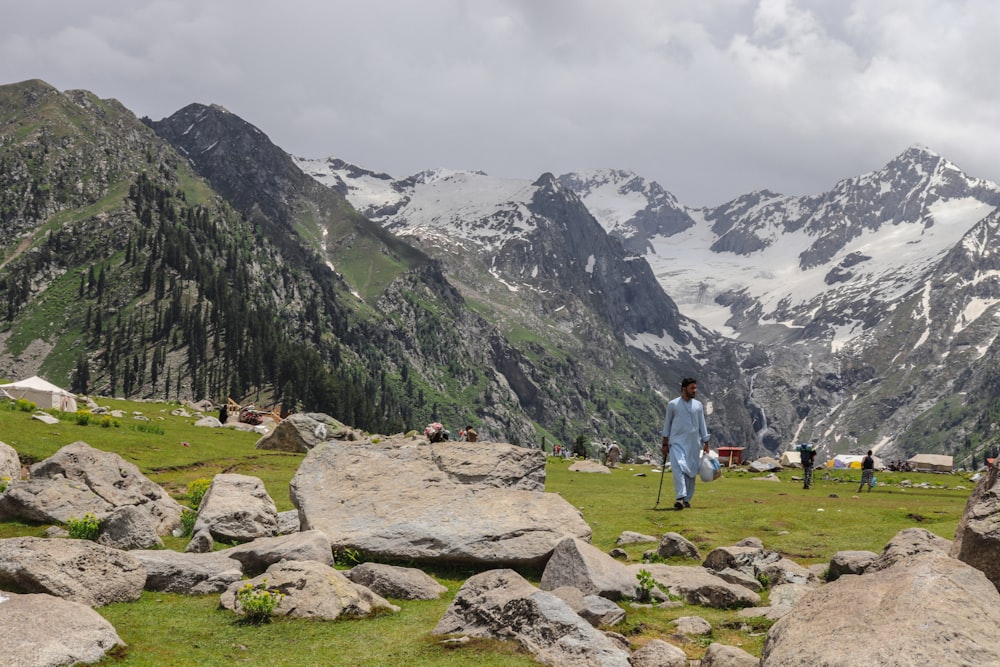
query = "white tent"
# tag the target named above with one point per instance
(931, 463)
(44, 394)
(791, 459)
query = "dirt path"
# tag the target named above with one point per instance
(21, 247)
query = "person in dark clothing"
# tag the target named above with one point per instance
(808, 456)
(867, 472)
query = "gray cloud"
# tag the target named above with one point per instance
(711, 98)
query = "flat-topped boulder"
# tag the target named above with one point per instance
(79, 479)
(407, 499)
(76, 570)
(39, 630)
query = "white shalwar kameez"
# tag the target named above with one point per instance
(686, 429)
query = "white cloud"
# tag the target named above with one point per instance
(712, 98)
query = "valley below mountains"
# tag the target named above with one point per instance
(190, 257)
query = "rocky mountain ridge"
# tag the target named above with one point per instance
(814, 281)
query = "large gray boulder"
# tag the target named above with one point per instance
(658, 653)
(393, 581)
(79, 479)
(594, 609)
(237, 508)
(906, 544)
(977, 537)
(76, 570)
(926, 609)
(697, 585)
(720, 655)
(262, 553)
(301, 432)
(406, 499)
(311, 590)
(585, 567)
(189, 573)
(10, 464)
(128, 527)
(503, 605)
(39, 630)
(849, 562)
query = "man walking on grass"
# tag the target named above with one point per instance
(685, 435)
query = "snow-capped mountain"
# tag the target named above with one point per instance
(774, 267)
(535, 254)
(531, 235)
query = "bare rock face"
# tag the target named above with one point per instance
(237, 508)
(39, 630)
(312, 590)
(925, 609)
(503, 605)
(406, 499)
(977, 537)
(79, 479)
(76, 570)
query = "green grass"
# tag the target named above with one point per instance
(168, 629)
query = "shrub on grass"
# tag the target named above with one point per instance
(86, 528)
(258, 603)
(197, 490)
(24, 405)
(83, 417)
(188, 518)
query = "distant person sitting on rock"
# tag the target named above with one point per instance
(435, 432)
(470, 434)
(867, 472)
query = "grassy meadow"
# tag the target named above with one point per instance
(809, 526)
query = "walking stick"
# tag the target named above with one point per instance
(663, 468)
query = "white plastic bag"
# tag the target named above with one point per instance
(709, 469)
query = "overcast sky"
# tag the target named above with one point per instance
(710, 98)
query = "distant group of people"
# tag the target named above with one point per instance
(436, 432)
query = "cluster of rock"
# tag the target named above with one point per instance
(923, 600)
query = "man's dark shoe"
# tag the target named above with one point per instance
(687, 504)
(678, 505)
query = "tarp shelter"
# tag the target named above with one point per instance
(931, 463)
(845, 461)
(852, 461)
(40, 392)
(791, 459)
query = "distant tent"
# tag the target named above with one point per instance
(852, 461)
(931, 463)
(791, 459)
(845, 461)
(44, 394)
